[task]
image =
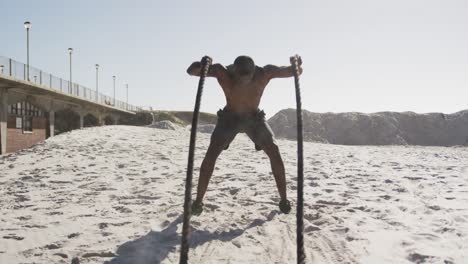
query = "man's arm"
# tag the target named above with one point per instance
(216, 70)
(273, 71)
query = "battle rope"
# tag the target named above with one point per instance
(206, 62)
(300, 165)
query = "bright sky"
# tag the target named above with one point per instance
(367, 56)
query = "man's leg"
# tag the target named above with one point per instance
(206, 169)
(277, 167)
(222, 136)
(262, 135)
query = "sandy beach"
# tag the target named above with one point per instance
(114, 195)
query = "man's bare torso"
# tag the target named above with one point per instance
(243, 96)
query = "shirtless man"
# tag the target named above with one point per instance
(243, 83)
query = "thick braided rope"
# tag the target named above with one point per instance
(300, 166)
(206, 62)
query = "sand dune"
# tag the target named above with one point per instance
(384, 128)
(114, 195)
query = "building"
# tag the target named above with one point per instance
(26, 125)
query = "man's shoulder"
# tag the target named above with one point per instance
(260, 71)
(269, 67)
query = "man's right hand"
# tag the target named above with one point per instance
(299, 59)
(194, 68)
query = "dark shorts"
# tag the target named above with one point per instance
(231, 123)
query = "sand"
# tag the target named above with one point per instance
(114, 195)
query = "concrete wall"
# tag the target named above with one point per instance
(17, 139)
(3, 119)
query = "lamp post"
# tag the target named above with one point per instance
(126, 103)
(27, 25)
(70, 51)
(113, 77)
(97, 79)
(1, 68)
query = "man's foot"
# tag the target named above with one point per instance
(285, 206)
(197, 208)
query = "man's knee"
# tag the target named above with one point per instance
(271, 149)
(214, 150)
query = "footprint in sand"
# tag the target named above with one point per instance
(99, 254)
(418, 258)
(73, 235)
(13, 236)
(52, 246)
(122, 209)
(234, 191)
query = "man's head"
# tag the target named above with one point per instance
(244, 66)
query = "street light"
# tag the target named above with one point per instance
(97, 78)
(1, 68)
(113, 77)
(27, 25)
(70, 51)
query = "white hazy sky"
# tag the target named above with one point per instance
(365, 56)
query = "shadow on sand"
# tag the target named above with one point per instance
(154, 247)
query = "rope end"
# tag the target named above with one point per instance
(206, 60)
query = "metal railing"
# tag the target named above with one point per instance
(17, 70)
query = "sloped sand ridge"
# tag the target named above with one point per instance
(383, 128)
(114, 194)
